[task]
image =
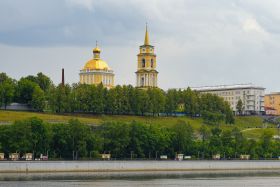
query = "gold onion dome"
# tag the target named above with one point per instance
(96, 50)
(96, 63)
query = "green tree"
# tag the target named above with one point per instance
(60, 98)
(265, 149)
(38, 99)
(204, 134)
(156, 100)
(172, 101)
(111, 102)
(7, 90)
(215, 142)
(183, 139)
(240, 107)
(142, 105)
(191, 102)
(238, 142)
(43, 81)
(116, 138)
(79, 134)
(212, 118)
(24, 90)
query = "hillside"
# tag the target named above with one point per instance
(251, 126)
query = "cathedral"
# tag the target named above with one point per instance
(146, 74)
(97, 71)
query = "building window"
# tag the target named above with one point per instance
(142, 81)
(152, 63)
(143, 63)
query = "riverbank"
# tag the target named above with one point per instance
(134, 166)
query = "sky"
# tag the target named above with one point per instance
(197, 42)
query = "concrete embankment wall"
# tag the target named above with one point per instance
(109, 166)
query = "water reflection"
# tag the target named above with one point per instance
(137, 176)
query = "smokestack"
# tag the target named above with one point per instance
(62, 81)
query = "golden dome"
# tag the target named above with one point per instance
(96, 50)
(96, 64)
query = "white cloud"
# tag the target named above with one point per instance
(251, 25)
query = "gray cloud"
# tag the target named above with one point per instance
(197, 42)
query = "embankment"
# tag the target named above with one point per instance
(132, 166)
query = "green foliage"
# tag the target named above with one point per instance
(213, 118)
(239, 107)
(38, 99)
(156, 100)
(74, 140)
(191, 102)
(7, 90)
(183, 138)
(172, 101)
(60, 99)
(116, 138)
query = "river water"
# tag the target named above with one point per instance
(145, 179)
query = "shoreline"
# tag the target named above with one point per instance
(137, 166)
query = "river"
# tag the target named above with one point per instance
(145, 179)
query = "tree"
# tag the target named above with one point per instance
(142, 105)
(139, 136)
(238, 141)
(156, 100)
(212, 118)
(183, 141)
(204, 134)
(240, 107)
(227, 143)
(229, 118)
(111, 106)
(79, 134)
(172, 101)
(265, 144)
(43, 81)
(59, 98)
(24, 90)
(116, 138)
(38, 99)
(215, 143)
(97, 96)
(7, 90)
(190, 102)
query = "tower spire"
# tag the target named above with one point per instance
(146, 42)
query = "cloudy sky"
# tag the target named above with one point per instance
(197, 42)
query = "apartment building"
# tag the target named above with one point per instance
(251, 96)
(272, 102)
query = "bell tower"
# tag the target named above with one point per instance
(146, 74)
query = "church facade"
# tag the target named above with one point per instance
(97, 71)
(146, 74)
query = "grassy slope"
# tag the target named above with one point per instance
(251, 126)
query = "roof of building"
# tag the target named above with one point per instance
(227, 87)
(147, 42)
(273, 93)
(96, 63)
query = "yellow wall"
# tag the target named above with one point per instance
(97, 79)
(273, 100)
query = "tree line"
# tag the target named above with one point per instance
(133, 140)
(42, 95)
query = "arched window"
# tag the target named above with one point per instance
(152, 63)
(143, 63)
